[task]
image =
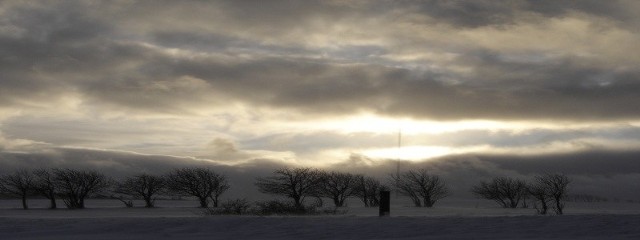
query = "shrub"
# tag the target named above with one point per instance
(275, 207)
(231, 207)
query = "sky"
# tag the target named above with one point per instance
(474, 87)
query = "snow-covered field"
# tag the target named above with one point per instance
(453, 219)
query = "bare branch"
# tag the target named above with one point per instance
(295, 183)
(76, 185)
(506, 191)
(202, 183)
(423, 189)
(18, 184)
(143, 186)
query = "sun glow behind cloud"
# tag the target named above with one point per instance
(425, 139)
(411, 153)
(319, 83)
(378, 124)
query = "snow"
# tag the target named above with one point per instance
(453, 219)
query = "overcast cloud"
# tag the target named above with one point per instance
(259, 84)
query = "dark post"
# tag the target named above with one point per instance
(385, 203)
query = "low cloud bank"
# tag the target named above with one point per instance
(603, 173)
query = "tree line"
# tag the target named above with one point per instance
(73, 186)
(299, 184)
(545, 190)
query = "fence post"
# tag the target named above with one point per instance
(385, 203)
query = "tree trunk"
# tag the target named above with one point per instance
(52, 203)
(543, 208)
(214, 200)
(337, 202)
(428, 203)
(203, 202)
(319, 201)
(24, 202)
(148, 202)
(297, 202)
(559, 207)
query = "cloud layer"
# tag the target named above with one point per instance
(434, 59)
(322, 82)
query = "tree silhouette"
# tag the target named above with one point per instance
(295, 183)
(76, 185)
(338, 186)
(541, 195)
(45, 186)
(202, 183)
(556, 185)
(143, 186)
(423, 189)
(504, 190)
(368, 190)
(19, 184)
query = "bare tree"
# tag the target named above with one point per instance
(19, 184)
(556, 185)
(45, 186)
(406, 188)
(143, 186)
(338, 186)
(222, 187)
(368, 189)
(295, 183)
(76, 185)
(505, 190)
(202, 183)
(541, 195)
(419, 185)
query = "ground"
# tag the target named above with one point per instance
(453, 220)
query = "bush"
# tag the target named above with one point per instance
(275, 207)
(272, 207)
(231, 207)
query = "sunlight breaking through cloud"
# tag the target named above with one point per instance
(319, 82)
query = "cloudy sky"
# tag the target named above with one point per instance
(507, 87)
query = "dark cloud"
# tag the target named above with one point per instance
(616, 9)
(498, 90)
(606, 163)
(112, 66)
(479, 13)
(554, 89)
(66, 50)
(469, 13)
